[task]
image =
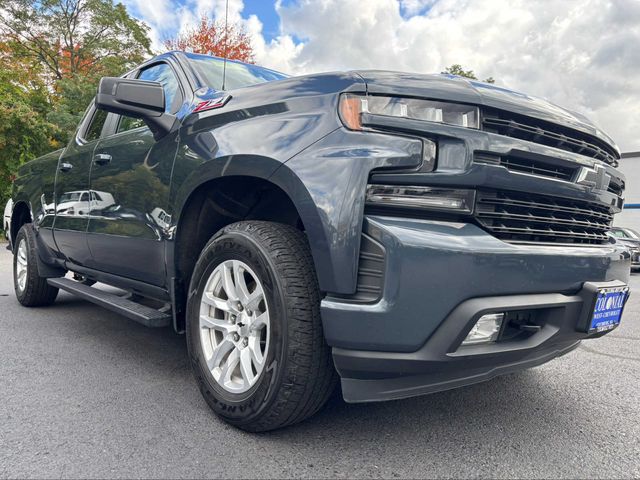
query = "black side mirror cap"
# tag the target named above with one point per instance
(137, 99)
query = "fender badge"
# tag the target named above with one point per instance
(211, 104)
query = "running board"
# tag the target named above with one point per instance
(147, 316)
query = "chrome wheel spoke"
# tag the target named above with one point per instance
(241, 284)
(245, 366)
(227, 282)
(219, 324)
(259, 322)
(254, 299)
(229, 366)
(256, 351)
(213, 301)
(219, 353)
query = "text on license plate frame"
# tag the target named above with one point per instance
(608, 308)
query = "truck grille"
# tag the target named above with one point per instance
(538, 168)
(530, 218)
(546, 133)
(559, 170)
(555, 168)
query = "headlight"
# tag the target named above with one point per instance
(430, 198)
(352, 106)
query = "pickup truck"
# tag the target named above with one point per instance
(403, 233)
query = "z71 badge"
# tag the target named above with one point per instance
(211, 104)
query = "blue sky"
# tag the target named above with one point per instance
(265, 10)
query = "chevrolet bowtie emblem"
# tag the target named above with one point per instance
(595, 178)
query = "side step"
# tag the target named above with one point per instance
(147, 316)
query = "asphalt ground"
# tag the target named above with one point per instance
(87, 393)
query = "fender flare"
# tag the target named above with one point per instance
(280, 175)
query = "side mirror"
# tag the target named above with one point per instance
(138, 99)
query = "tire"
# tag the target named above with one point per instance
(31, 289)
(298, 376)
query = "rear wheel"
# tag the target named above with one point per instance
(253, 327)
(31, 289)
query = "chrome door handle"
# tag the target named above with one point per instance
(65, 167)
(102, 159)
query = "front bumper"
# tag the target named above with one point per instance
(439, 278)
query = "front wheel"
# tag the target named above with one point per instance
(31, 289)
(253, 327)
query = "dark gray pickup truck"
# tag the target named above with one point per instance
(405, 233)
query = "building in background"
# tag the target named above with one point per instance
(630, 216)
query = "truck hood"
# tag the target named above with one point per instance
(459, 89)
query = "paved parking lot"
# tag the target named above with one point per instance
(86, 393)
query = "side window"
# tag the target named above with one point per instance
(161, 73)
(129, 123)
(84, 197)
(94, 129)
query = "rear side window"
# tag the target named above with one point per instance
(95, 127)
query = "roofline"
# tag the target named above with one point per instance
(630, 155)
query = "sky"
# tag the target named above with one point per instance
(583, 55)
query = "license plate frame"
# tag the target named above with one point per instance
(607, 309)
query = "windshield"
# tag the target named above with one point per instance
(238, 74)
(625, 233)
(70, 197)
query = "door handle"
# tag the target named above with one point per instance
(102, 159)
(65, 167)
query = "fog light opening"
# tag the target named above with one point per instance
(486, 329)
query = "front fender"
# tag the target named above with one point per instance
(327, 184)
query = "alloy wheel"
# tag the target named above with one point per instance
(234, 326)
(22, 264)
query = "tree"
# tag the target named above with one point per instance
(52, 54)
(24, 131)
(456, 69)
(69, 37)
(68, 45)
(211, 37)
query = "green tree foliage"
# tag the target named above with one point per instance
(53, 52)
(69, 37)
(456, 69)
(24, 131)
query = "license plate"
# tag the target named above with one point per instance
(608, 307)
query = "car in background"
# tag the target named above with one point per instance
(630, 239)
(81, 202)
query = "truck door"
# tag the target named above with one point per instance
(133, 171)
(72, 197)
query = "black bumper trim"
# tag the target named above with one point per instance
(362, 391)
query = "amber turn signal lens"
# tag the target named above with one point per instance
(350, 108)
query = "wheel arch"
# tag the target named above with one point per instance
(217, 201)
(20, 214)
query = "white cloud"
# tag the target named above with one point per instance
(581, 54)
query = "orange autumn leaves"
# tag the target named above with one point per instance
(210, 37)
